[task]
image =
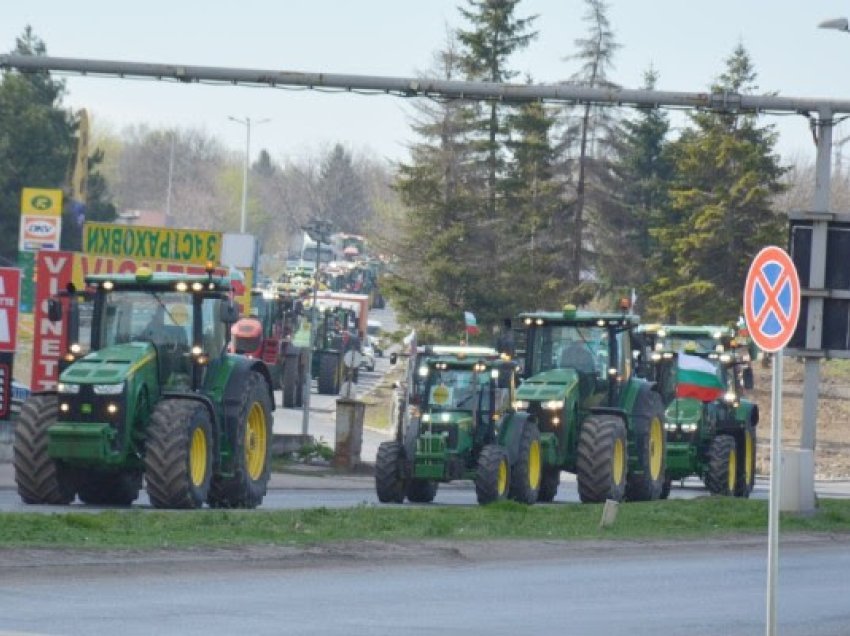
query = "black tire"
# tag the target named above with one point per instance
(390, 483)
(526, 471)
(422, 490)
(746, 463)
(252, 451)
(722, 474)
(550, 479)
(40, 479)
(665, 489)
(289, 385)
(602, 459)
(329, 374)
(493, 476)
(178, 454)
(646, 481)
(108, 487)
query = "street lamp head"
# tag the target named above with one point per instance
(839, 24)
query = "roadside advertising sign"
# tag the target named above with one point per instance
(10, 300)
(140, 243)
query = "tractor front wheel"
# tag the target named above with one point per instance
(550, 479)
(178, 454)
(646, 482)
(40, 479)
(493, 475)
(746, 463)
(389, 478)
(330, 374)
(602, 459)
(525, 473)
(722, 466)
(246, 486)
(289, 385)
(422, 490)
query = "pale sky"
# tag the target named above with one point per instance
(684, 40)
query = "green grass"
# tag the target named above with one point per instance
(676, 519)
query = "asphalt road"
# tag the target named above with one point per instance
(587, 588)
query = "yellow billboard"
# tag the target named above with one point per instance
(41, 202)
(151, 243)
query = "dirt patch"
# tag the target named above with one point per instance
(832, 452)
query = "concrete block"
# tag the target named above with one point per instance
(797, 488)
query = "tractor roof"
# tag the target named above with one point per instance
(143, 278)
(579, 317)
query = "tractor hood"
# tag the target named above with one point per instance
(110, 365)
(684, 411)
(549, 385)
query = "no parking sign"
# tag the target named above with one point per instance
(772, 299)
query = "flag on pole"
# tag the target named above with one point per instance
(471, 324)
(698, 379)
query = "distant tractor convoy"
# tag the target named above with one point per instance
(165, 387)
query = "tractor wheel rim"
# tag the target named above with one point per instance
(733, 470)
(534, 465)
(656, 448)
(198, 457)
(618, 462)
(502, 478)
(748, 448)
(256, 442)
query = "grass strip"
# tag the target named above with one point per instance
(136, 529)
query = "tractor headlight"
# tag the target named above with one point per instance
(553, 405)
(68, 389)
(730, 397)
(108, 389)
(520, 405)
(670, 427)
(426, 417)
(445, 417)
(689, 428)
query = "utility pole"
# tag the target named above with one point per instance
(320, 231)
(247, 123)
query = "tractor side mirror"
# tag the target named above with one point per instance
(747, 377)
(54, 310)
(393, 358)
(228, 312)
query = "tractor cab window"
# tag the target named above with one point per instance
(214, 330)
(454, 389)
(569, 347)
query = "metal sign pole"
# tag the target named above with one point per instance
(775, 472)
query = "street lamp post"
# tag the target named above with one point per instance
(247, 123)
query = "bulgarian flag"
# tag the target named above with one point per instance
(471, 324)
(698, 379)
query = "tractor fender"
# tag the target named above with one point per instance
(510, 433)
(232, 396)
(747, 413)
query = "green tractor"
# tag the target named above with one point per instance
(157, 396)
(335, 336)
(271, 333)
(466, 428)
(596, 418)
(710, 426)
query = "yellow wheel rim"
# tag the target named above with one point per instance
(619, 461)
(503, 476)
(256, 441)
(534, 465)
(733, 469)
(198, 457)
(748, 452)
(656, 448)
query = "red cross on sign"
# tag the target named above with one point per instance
(772, 299)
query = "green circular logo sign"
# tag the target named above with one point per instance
(41, 202)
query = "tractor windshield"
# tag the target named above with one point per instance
(584, 348)
(454, 389)
(164, 319)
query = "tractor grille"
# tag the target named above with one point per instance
(88, 408)
(451, 429)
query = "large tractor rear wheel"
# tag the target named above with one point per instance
(646, 481)
(40, 479)
(329, 374)
(178, 454)
(108, 487)
(493, 475)
(422, 490)
(252, 447)
(602, 459)
(525, 473)
(746, 463)
(550, 479)
(390, 484)
(722, 474)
